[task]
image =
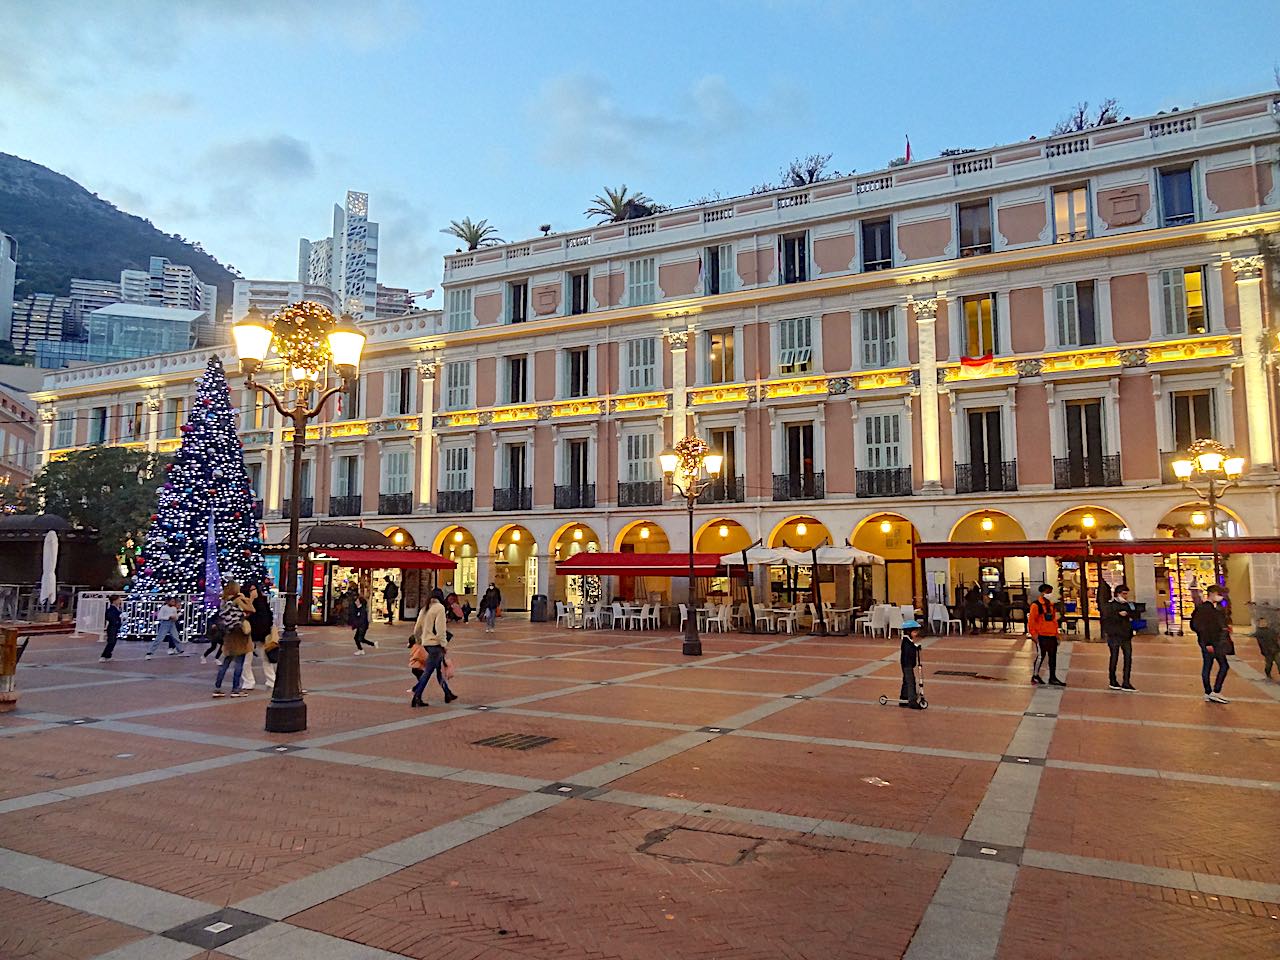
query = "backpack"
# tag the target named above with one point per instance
(1047, 613)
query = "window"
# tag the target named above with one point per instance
(457, 468)
(986, 451)
(1070, 214)
(64, 435)
(639, 457)
(579, 292)
(795, 345)
(1074, 309)
(718, 269)
(307, 468)
(1177, 197)
(518, 301)
(793, 254)
(975, 228)
(720, 367)
(1192, 417)
(396, 468)
(641, 363)
(513, 465)
(457, 385)
(137, 422)
(575, 464)
(173, 417)
(98, 425)
(1085, 460)
(642, 285)
(255, 480)
(979, 319)
(800, 451)
(399, 392)
(879, 338)
(1182, 301)
(349, 401)
(877, 245)
(577, 364)
(346, 477)
(882, 441)
(517, 379)
(459, 310)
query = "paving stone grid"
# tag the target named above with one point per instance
(755, 802)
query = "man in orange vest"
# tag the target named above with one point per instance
(1042, 624)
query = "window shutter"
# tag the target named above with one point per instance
(393, 392)
(1174, 298)
(727, 271)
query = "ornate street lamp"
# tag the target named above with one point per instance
(1218, 469)
(308, 339)
(691, 467)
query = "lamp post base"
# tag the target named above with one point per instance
(692, 644)
(287, 711)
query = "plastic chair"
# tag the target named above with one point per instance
(716, 618)
(684, 614)
(895, 621)
(617, 617)
(637, 617)
(593, 615)
(650, 616)
(788, 621)
(564, 613)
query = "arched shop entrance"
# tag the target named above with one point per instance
(399, 537)
(513, 565)
(1076, 580)
(572, 539)
(990, 574)
(1185, 571)
(457, 544)
(729, 539)
(789, 583)
(891, 536)
(643, 536)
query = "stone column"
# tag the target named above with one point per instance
(427, 370)
(926, 316)
(1143, 589)
(153, 420)
(273, 499)
(48, 414)
(679, 343)
(1253, 347)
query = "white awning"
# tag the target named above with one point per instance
(775, 556)
(845, 556)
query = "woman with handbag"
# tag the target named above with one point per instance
(431, 632)
(236, 639)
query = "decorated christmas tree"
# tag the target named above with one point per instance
(206, 490)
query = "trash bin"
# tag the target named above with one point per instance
(539, 609)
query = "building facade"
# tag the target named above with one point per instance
(18, 449)
(270, 295)
(1002, 346)
(8, 277)
(41, 317)
(347, 261)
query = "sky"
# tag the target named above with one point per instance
(239, 123)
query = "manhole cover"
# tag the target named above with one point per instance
(515, 741)
(703, 846)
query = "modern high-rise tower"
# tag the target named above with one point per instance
(346, 262)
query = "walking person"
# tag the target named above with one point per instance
(258, 610)
(358, 620)
(975, 610)
(236, 640)
(1209, 621)
(113, 629)
(431, 633)
(1117, 627)
(489, 606)
(1268, 645)
(391, 593)
(1042, 624)
(909, 695)
(166, 629)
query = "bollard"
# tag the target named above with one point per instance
(8, 669)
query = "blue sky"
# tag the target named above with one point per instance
(240, 122)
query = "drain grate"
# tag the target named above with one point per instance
(515, 741)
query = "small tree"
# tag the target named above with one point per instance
(614, 206)
(1081, 118)
(803, 171)
(474, 235)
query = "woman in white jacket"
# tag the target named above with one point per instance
(430, 631)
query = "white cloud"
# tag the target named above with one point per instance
(279, 157)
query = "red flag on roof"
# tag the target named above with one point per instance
(908, 148)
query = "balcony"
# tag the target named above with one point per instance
(348, 506)
(513, 498)
(724, 490)
(799, 486)
(895, 482)
(575, 497)
(306, 508)
(987, 477)
(395, 504)
(455, 501)
(640, 493)
(1071, 473)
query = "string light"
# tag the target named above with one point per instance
(299, 337)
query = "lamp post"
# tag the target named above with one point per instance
(1218, 469)
(308, 339)
(690, 468)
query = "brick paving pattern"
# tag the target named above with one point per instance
(756, 803)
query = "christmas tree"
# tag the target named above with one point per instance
(206, 489)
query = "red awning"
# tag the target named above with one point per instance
(995, 549)
(638, 564)
(1203, 545)
(371, 559)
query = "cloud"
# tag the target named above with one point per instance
(281, 158)
(410, 252)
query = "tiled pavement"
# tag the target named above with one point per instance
(755, 803)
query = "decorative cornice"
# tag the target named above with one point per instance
(677, 339)
(153, 402)
(428, 369)
(1030, 367)
(1136, 357)
(838, 385)
(1247, 268)
(48, 414)
(926, 311)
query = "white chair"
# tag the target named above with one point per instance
(617, 616)
(684, 615)
(895, 621)
(787, 621)
(651, 616)
(716, 617)
(765, 617)
(637, 616)
(564, 614)
(879, 619)
(592, 615)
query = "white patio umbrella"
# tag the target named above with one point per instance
(49, 576)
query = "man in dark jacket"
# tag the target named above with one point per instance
(1117, 628)
(113, 627)
(391, 593)
(909, 696)
(1209, 621)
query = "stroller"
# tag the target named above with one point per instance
(919, 676)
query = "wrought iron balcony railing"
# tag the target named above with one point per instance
(348, 506)
(513, 498)
(454, 501)
(893, 482)
(395, 504)
(575, 497)
(640, 493)
(799, 486)
(1071, 473)
(995, 477)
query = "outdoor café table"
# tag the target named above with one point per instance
(10, 632)
(839, 616)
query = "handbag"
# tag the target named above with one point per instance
(1225, 647)
(1139, 625)
(245, 628)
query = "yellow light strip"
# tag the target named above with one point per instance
(515, 414)
(882, 379)
(355, 428)
(580, 408)
(640, 401)
(809, 386)
(719, 394)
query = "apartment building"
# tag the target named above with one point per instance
(18, 452)
(346, 261)
(8, 276)
(1001, 347)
